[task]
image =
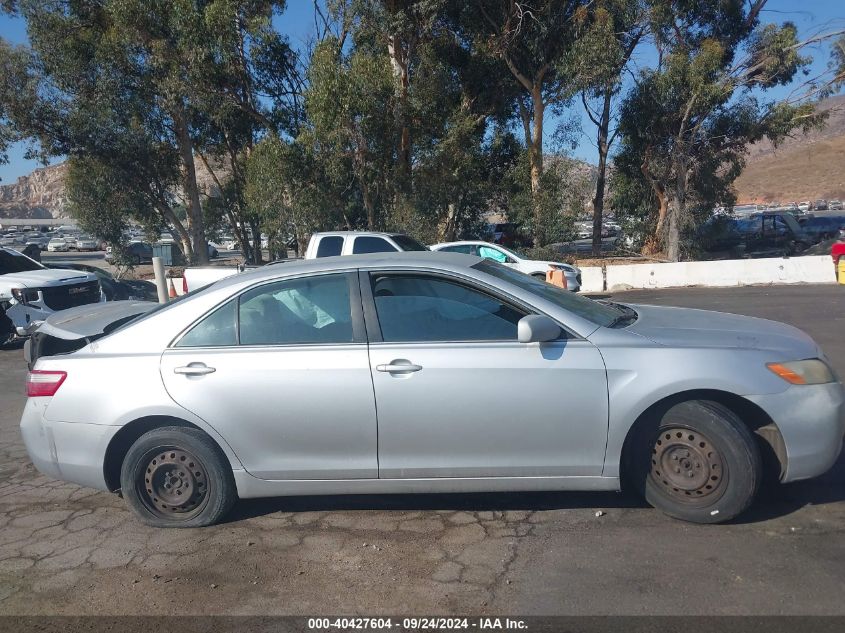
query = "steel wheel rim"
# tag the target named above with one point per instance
(172, 484)
(687, 467)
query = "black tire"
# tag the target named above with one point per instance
(697, 462)
(165, 463)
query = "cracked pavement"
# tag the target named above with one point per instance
(74, 551)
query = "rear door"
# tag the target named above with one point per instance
(282, 373)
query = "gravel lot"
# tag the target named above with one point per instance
(68, 550)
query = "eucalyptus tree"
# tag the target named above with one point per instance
(687, 123)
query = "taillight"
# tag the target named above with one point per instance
(44, 383)
(184, 284)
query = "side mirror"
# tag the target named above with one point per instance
(537, 328)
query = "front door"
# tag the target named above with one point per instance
(459, 396)
(282, 373)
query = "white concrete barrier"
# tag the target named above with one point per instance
(592, 279)
(732, 272)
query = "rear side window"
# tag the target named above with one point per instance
(297, 311)
(369, 244)
(330, 246)
(459, 248)
(292, 312)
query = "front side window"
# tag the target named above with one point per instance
(297, 311)
(369, 244)
(330, 246)
(423, 308)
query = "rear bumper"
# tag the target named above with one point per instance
(68, 451)
(811, 421)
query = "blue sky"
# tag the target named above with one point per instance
(297, 22)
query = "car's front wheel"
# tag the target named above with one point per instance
(698, 463)
(177, 477)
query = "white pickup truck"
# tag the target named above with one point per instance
(30, 292)
(327, 244)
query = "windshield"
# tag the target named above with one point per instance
(408, 243)
(14, 262)
(593, 311)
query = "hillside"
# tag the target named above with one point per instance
(42, 193)
(804, 167)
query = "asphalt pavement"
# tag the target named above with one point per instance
(69, 550)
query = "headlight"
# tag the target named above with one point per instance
(24, 295)
(803, 372)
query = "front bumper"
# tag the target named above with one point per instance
(811, 421)
(69, 451)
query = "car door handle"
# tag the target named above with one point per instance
(396, 367)
(194, 369)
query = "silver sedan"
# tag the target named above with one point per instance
(428, 372)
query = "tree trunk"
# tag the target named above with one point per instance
(195, 222)
(258, 257)
(399, 65)
(449, 230)
(677, 212)
(535, 157)
(598, 199)
(369, 206)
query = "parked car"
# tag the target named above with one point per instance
(820, 205)
(116, 289)
(30, 292)
(138, 252)
(86, 243)
(835, 205)
(40, 242)
(57, 245)
(822, 228)
(514, 260)
(484, 379)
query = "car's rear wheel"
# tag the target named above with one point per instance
(698, 463)
(177, 477)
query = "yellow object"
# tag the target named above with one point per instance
(841, 275)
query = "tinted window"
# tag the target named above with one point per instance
(581, 306)
(408, 243)
(308, 310)
(215, 330)
(420, 308)
(14, 262)
(369, 244)
(330, 246)
(460, 248)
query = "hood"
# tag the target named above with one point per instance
(46, 276)
(686, 327)
(92, 320)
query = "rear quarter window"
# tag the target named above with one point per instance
(329, 246)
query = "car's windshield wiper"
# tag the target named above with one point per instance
(627, 315)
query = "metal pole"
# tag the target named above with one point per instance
(161, 282)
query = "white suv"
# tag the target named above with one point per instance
(29, 292)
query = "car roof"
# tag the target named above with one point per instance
(412, 259)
